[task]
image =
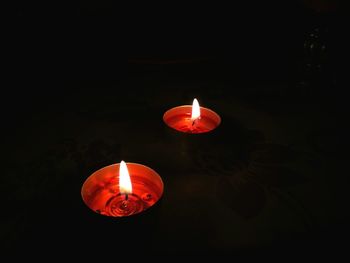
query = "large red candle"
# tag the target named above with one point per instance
(120, 190)
(192, 118)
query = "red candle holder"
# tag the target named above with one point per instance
(101, 191)
(180, 118)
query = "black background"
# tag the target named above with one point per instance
(89, 83)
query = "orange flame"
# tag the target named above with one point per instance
(196, 113)
(125, 186)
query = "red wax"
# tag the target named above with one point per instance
(100, 191)
(179, 118)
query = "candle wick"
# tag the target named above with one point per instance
(126, 197)
(194, 121)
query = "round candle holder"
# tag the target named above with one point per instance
(179, 118)
(100, 191)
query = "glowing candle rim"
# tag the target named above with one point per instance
(116, 168)
(127, 163)
(204, 112)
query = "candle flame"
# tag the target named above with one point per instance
(125, 186)
(196, 113)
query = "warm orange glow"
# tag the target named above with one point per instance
(125, 186)
(196, 113)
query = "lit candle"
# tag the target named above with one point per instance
(122, 189)
(192, 118)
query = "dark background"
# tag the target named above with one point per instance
(89, 83)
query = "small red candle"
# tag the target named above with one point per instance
(192, 118)
(120, 190)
